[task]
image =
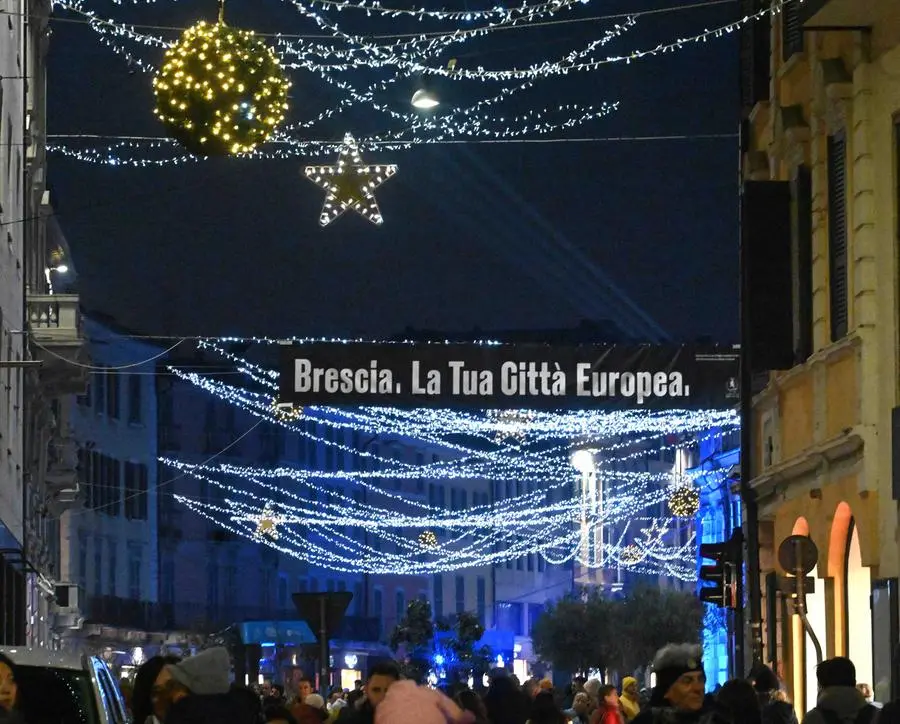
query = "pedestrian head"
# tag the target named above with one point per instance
(838, 671)
(381, 678)
(143, 694)
(680, 681)
(740, 702)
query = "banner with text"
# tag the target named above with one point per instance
(509, 376)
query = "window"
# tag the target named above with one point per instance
(114, 487)
(801, 264)
(231, 582)
(64, 696)
(98, 387)
(791, 30)
(378, 603)
(267, 589)
(212, 583)
(837, 235)
(282, 592)
(112, 395)
(167, 580)
(438, 593)
(135, 491)
(400, 603)
(134, 399)
(82, 559)
(897, 180)
(481, 602)
(98, 566)
(135, 564)
(460, 594)
(112, 563)
(358, 602)
(84, 400)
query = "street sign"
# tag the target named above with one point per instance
(788, 585)
(798, 552)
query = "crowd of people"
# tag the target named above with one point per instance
(198, 690)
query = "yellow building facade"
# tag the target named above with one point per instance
(823, 431)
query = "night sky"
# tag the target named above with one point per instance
(488, 236)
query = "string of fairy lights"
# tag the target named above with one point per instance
(334, 57)
(367, 493)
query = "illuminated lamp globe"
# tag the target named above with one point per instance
(220, 91)
(423, 100)
(684, 501)
(583, 461)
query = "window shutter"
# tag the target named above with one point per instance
(837, 234)
(791, 30)
(802, 264)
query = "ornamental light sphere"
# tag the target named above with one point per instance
(684, 502)
(220, 91)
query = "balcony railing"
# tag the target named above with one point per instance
(54, 321)
(201, 618)
(55, 318)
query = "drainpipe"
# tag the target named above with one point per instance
(748, 496)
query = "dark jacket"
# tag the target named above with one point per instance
(363, 714)
(843, 702)
(667, 715)
(774, 711)
(238, 706)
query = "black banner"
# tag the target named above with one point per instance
(510, 376)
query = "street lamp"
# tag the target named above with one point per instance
(424, 100)
(48, 270)
(583, 461)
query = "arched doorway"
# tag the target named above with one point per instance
(858, 592)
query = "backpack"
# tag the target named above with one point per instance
(866, 715)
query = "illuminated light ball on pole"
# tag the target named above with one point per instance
(427, 539)
(220, 91)
(684, 501)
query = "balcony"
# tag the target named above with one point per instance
(63, 491)
(54, 321)
(846, 14)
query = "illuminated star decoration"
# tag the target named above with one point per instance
(267, 523)
(350, 184)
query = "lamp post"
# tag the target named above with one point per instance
(591, 505)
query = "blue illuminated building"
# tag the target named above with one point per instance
(719, 516)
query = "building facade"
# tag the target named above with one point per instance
(41, 345)
(109, 545)
(822, 131)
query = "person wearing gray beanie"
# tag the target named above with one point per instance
(209, 672)
(679, 693)
(198, 690)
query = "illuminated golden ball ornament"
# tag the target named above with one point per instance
(220, 91)
(684, 501)
(427, 539)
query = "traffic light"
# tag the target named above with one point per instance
(720, 583)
